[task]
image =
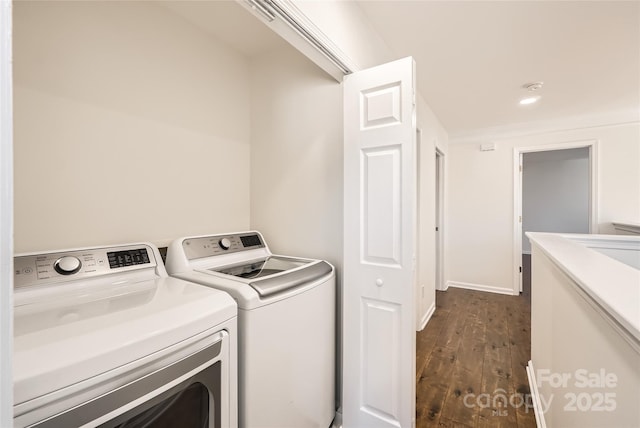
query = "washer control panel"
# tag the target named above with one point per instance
(66, 266)
(195, 248)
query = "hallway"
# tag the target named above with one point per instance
(471, 361)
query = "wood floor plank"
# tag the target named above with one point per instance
(471, 350)
(519, 360)
(447, 423)
(463, 383)
(429, 399)
(431, 390)
(451, 333)
(497, 345)
(446, 299)
(520, 344)
(477, 305)
(437, 371)
(497, 404)
(526, 416)
(426, 339)
(478, 343)
(446, 353)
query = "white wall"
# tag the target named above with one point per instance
(480, 198)
(555, 192)
(619, 177)
(130, 124)
(432, 136)
(296, 156)
(297, 162)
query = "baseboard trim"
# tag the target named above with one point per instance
(535, 396)
(480, 287)
(444, 287)
(337, 420)
(427, 316)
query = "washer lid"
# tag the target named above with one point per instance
(76, 336)
(277, 273)
(263, 267)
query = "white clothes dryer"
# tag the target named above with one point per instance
(286, 323)
(104, 337)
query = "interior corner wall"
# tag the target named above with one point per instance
(130, 125)
(297, 163)
(296, 156)
(480, 195)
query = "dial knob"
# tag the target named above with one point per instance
(67, 265)
(224, 243)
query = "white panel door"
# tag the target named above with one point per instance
(379, 274)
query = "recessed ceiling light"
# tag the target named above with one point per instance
(530, 100)
(533, 86)
(531, 97)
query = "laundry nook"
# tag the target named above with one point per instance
(319, 214)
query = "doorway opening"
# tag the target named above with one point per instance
(555, 191)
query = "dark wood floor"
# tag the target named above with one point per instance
(471, 361)
(526, 277)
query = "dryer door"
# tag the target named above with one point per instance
(190, 392)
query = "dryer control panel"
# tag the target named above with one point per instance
(207, 246)
(40, 269)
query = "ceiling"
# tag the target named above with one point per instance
(229, 22)
(474, 56)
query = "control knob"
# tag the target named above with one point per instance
(225, 243)
(67, 265)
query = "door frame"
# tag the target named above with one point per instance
(439, 176)
(6, 216)
(518, 152)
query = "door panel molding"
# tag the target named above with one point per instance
(380, 206)
(381, 359)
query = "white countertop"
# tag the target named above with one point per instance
(612, 285)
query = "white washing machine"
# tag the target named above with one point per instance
(286, 323)
(104, 337)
